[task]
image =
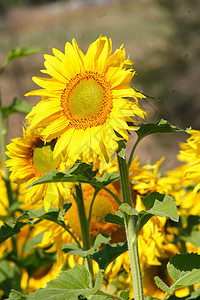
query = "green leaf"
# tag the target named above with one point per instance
(161, 285)
(193, 237)
(17, 106)
(100, 297)
(53, 214)
(161, 126)
(143, 218)
(161, 205)
(15, 295)
(9, 229)
(195, 294)
(73, 248)
(108, 178)
(69, 285)
(19, 52)
(115, 219)
(30, 244)
(184, 269)
(109, 252)
(125, 207)
(125, 294)
(82, 170)
(6, 271)
(37, 260)
(122, 149)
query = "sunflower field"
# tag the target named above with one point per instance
(81, 217)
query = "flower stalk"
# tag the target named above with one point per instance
(85, 233)
(130, 227)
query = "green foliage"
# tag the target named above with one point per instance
(195, 294)
(161, 205)
(15, 295)
(17, 106)
(125, 294)
(19, 52)
(73, 248)
(115, 219)
(109, 253)
(122, 149)
(69, 285)
(161, 126)
(8, 229)
(125, 207)
(53, 214)
(184, 269)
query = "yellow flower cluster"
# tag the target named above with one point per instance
(83, 114)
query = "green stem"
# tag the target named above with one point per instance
(165, 296)
(132, 152)
(85, 233)
(109, 295)
(131, 231)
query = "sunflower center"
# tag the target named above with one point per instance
(87, 100)
(43, 161)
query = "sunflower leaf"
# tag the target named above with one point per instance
(109, 252)
(125, 207)
(82, 170)
(9, 229)
(161, 126)
(15, 295)
(17, 106)
(19, 52)
(184, 269)
(161, 285)
(69, 285)
(125, 294)
(193, 237)
(115, 219)
(108, 178)
(73, 248)
(195, 294)
(161, 205)
(53, 214)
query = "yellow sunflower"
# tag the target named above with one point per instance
(190, 153)
(30, 158)
(84, 103)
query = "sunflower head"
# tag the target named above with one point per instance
(103, 204)
(30, 158)
(85, 102)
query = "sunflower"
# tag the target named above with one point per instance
(84, 104)
(31, 158)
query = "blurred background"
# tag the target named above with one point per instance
(162, 37)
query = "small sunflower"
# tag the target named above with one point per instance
(84, 103)
(30, 158)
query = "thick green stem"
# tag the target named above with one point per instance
(131, 231)
(85, 233)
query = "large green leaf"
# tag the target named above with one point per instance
(109, 252)
(161, 126)
(129, 210)
(161, 205)
(17, 106)
(73, 248)
(69, 285)
(9, 229)
(184, 269)
(53, 214)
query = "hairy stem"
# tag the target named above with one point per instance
(130, 225)
(84, 229)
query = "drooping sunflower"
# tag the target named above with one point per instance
(30, 158)
(84, 104)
